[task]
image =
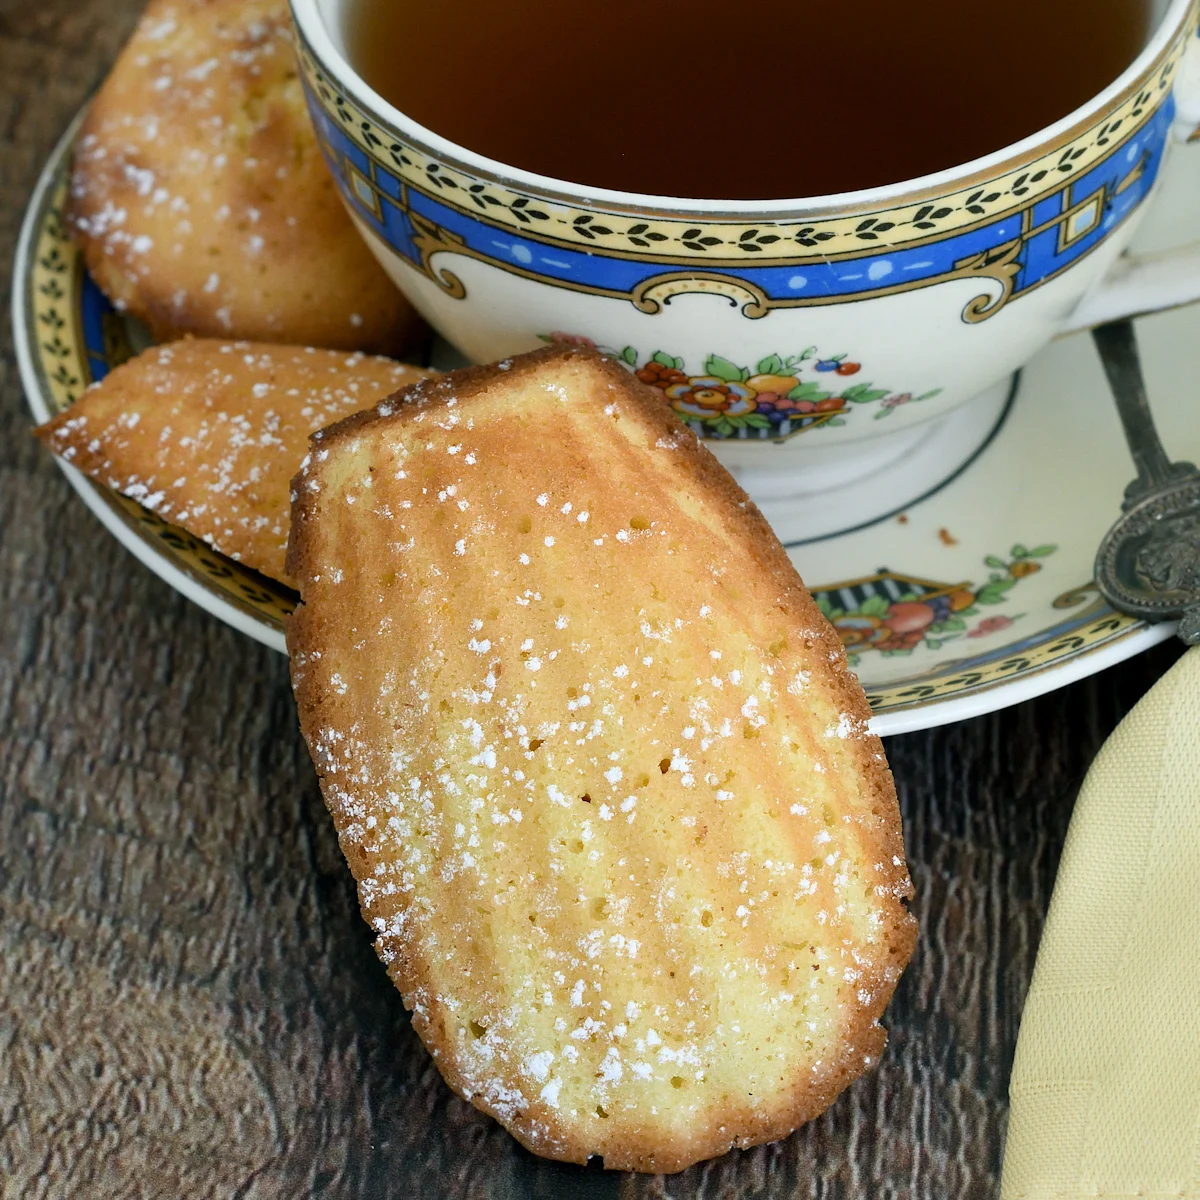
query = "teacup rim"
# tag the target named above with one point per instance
(314, 34)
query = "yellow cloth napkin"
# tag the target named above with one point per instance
(1106, 1083)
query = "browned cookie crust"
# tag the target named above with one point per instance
(200, 197)
(208, 434)
(597, 764)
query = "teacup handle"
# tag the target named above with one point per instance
(1140, 283)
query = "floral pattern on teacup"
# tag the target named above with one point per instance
(781, 396)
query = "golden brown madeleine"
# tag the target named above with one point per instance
(200, 197)
(597, 763)
(208, 434)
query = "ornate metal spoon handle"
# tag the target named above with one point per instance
(1148, 564)
(1119, 354)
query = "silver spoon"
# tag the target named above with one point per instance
(1148, 564)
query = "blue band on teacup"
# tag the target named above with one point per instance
(1017, 251)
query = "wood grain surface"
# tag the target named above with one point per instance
(189, 1002)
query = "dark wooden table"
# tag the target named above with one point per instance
(189, 1002)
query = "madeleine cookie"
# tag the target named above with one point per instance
(200, 197)
(597, 763)
(208, 434)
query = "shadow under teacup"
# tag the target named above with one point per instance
(813, 341)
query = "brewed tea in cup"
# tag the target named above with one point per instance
(759, 100)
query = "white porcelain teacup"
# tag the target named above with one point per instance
(813, 340)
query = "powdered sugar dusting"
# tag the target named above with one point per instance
(598, 793)
(200, 192)
(209, 434)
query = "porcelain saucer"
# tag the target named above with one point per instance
(971, 598)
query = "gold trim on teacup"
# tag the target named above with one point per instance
(1083, 216)
(1001, 264)
(837, 232)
